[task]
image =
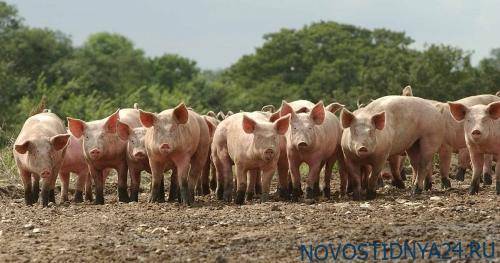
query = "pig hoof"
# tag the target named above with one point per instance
(398, 184)
(88, 197)
(213, 185)
(327, 193)
(356, 195)
(310, 193)
(445, 183)
(460, 175)
(427, 184)
(35, 196)
(371, 194)
(220, 193)
(28, 199)
(240, 197)
(498, 188)
(123, 195)
(417, 190)
(205, 189)
(78, 198)
(487, 179)
(250, 196)
(258, 189)
(296, 193)
(474, 188)
(99, 200)
(380, 183)
(52, 196)
(264, 197)
(283, 193)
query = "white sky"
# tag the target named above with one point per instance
(216, 33)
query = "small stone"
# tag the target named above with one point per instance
(435, 198)
(365, 206)
(29, 226)
(36, 230)
(275, 208)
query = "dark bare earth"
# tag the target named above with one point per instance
(214, 232)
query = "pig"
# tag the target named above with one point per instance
(176, 139)
(39, 152)
(208, 178)
(269, 108)
(74, 162)
(130, 129)
(312, 138)
(481, 125)
(103, 149)
(252, 143)
(386, 128)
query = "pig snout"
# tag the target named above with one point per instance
(476, 134)
(94, 153)
(302, 145)
(165, 148)
(269, 154)
(45, 174)
(140, 155)
(362, 151)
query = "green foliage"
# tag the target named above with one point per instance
(321, 61)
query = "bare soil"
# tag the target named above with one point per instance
(217, 232)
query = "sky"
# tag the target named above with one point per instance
(216, 33)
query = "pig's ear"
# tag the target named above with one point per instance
(282, 124)
(334, 107)
(76, 127)
(211, 114)
(494, 110)
(318, 113)
(346, 117)
(211, 126)
(220, 116)
(110, 125)
(407, 91)
(181, 113)
(379, 120)
(22, 148)
(148, 119)
(498, 93)
(59, 141)
(458, 110)
(269, 108)
(123, 130)
(275, 116)
(229, 113)
(248, 124)
(287, 109)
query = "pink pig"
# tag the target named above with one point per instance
(39, 151)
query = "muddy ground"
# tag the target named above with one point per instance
(215, 232)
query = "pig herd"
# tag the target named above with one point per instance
(201, 150)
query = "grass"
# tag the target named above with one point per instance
(8, 169)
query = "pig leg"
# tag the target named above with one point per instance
(80, 185)
(203, 187)
(241, 174)
(497, 174)
(371, 190)
(444, 165)
(28, 194)
(283, 178)
(402, 169)
(36, 188)
(45, 191)
(213, 177)
(422, 152)
(477, 163)
(267, 176)
(397, 181)
(487, 172)
(258, 184)
(64, 186)
(182, 164)
(98, 179)
(463, 163)
(53, 179)
(135, 182)
(251, 180)
(328, 176)
(173, 193)
(224, 176)
(312, 179)
(122, 183)
(354, 172)
(157, 169)
(294, 166)
(88, 186)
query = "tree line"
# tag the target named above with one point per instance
(323, 60)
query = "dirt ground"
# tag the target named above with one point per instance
(215, 232)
